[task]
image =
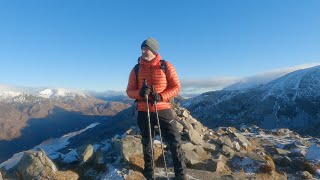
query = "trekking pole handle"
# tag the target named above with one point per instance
(145, 84)
(153, 90)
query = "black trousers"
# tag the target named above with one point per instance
(169, 133)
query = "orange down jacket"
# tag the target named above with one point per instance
(167, 85)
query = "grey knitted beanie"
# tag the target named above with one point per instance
(151, 44)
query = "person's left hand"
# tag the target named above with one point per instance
(155, 96)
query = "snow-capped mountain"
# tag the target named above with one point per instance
(265, 77)
(23, 95)
(29, 116)
(292, 101)
(303, 83)
(56, 93)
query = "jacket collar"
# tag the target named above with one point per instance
(153, 62)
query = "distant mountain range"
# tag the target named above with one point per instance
(291, 101)
(30, 117)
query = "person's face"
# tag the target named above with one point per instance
(147, 54)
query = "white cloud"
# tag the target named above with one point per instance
(6, 88)
(108, 93)
(197, 86)
(192, 86)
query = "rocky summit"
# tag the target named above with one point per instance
(248, 152)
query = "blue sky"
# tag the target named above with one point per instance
(93, 45)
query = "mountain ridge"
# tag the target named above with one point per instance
(291, 101)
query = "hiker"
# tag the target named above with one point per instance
(162, 75)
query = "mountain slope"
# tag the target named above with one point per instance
(292, 101)
(27, 119)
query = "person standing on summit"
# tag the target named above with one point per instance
(166, 86)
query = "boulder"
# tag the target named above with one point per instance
(210, 135)
(195, 137)
(127, 147)
(178, 126)
(219, 167)
(283, 132)
(227, 151)
(222, 158)
(191, 158)
(66, 175)
(210, 147)
(221, 132)
(199, 150)
(192, 120)
(198, 127)
(212, 166)
(36, 165)
(184, 113)
(134, 175)
(236, 146)
(225, 140)
(281, 151)
(242, 140)
(85, 153)
(188, 146)
(186, 125)
(202, 153)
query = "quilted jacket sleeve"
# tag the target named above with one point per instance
(132, 87)
(173, 87)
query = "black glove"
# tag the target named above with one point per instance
(155, 96)
(145, 90)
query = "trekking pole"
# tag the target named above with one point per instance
(149, 122)
(159, 128)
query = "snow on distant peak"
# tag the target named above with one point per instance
(266, 77)
(49, 93)
(9, 94)
(291, 83)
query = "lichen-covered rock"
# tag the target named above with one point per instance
(36, 165)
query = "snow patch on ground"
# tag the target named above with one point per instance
(113, 173)
(70, 156)
(12, 162)
(51, 147)
(313, 153)
(248, 165)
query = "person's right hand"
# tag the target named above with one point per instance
(145, 90)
